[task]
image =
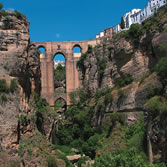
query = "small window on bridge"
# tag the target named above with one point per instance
(76, 49)
(42, 50)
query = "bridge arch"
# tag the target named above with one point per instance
(77, 48)
(60, 103)
(60, 53)
(42, 49)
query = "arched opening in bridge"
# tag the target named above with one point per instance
(77, 50)
(42, 50)
(60, 105)
(59, 75)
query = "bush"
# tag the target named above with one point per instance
(13, 85)
(4, 13)
(19, 15)
(120, 93)
(101, 66)
(3, 86)
(135, 33)
(155, 91)
(51, 162)
(117, 117)
(153, 106)
(1, 6)
(108, 99)
(60, 73)
(125, 81)
(128, 157)
(79, 97)
(80, 64)
(161, 68)
(103, 92)
(90, 49)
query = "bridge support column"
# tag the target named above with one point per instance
(44, 74)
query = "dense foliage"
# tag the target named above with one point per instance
(128, 157)
(60, 73)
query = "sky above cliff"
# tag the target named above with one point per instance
(71, 20)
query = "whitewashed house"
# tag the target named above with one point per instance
(138, 15)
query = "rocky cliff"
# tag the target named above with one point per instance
(19, 60)
(126, 64)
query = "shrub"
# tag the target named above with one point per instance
(120, 93)
(19, 15)
(60, 73)
(135, 33)
(161, 68)
(108, 98)
(117, 117)
(3, 86)
(79, 97)
(90, 49)
(123, 157)
(155, 91)
(153, 106)
(125, 81)
(80, 64)
(3, 13)
(13, 85)
(51, 161)
(103, 92)
(147, 25)
(1, 6)
(101, 66)
(23, 118)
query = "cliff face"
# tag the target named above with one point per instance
(20, 60)
(121, 58)
(126, 63)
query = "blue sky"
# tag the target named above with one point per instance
(71, 20)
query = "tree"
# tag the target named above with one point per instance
(122, 23)
(1, 5)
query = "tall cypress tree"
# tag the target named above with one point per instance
(1, 5)
(122, 25)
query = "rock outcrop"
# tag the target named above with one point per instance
(19, 59)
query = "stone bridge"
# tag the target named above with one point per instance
(47, 67)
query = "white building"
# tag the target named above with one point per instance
(138, 15)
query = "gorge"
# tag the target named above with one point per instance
(116, 92)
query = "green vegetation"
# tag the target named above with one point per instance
(3, 86)
(134, 33)
(101, 66)
(80, 63)
(51, 161)
(103, 92)
(13, 85)
(19, 15)
(128, 157)
(60, 73)
(157, 107)
(4, 13)
(1, 5)
(155, 91)
(122, 25)
(161, 68)
(125, 81)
